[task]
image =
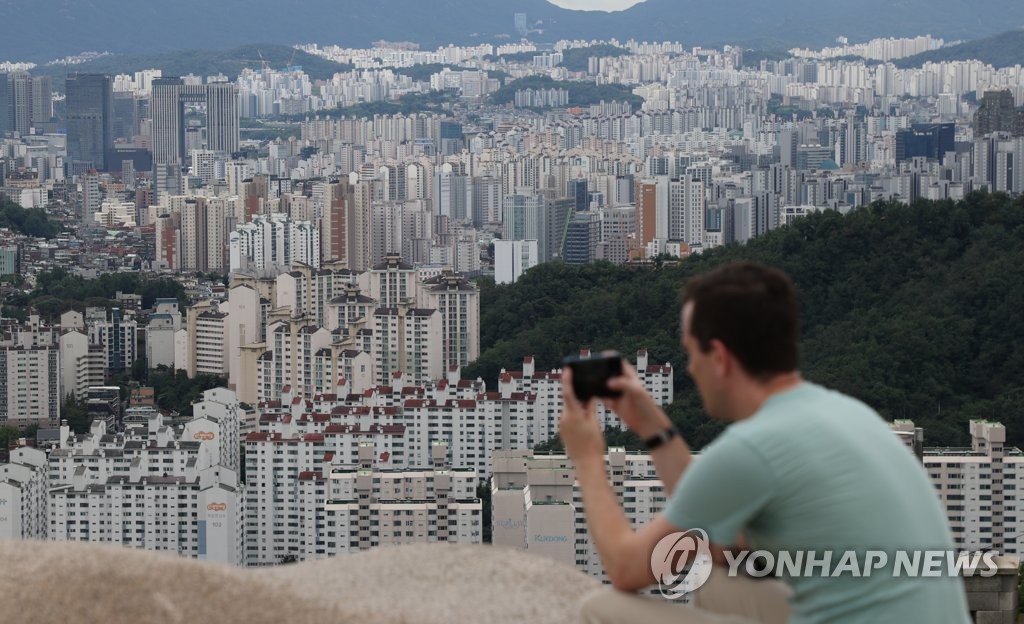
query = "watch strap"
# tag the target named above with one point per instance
(660, 439)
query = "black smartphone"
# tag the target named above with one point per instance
(590, 374)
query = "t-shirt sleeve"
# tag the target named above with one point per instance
(722, 490)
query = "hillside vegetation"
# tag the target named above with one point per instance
(917, 310)
(1003, 50)
(205, 62)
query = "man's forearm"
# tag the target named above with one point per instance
(671, 458)
(670, 461)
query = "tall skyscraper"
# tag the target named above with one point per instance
(452, 194)
(126, 116)
(521, 25)
(646, 216)
(524, 217)
(582, 236)
(90, 120)
(29, 101)
(578, 191)
(486, 201)
(925, 140)
(20, 98)
(998, 113)
(686, 211)
(41, 100)
(168, 111)
(5, 107)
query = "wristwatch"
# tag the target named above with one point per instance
(663, 437)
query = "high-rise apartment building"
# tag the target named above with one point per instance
(117, 335)
(686, 211)
(23, 487)
(458, 302)
(30, 376)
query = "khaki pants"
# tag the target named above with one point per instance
(722, 600)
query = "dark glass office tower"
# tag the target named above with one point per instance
(90, 120)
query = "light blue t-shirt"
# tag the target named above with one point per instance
(816, 470)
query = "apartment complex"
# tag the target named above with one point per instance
(978, 487)
(309, 327)
(152, 486)
(301, 507)
(520, 413)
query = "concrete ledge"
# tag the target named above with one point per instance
(57, 582)
(442, 583)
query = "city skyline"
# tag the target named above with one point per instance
(270, 305)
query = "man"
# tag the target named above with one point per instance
(800, 468)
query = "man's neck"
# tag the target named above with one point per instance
(755, 395)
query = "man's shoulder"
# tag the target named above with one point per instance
(804, 413)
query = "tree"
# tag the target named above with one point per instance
(9, 435)
(75, 413)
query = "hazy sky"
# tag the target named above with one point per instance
(602, 5)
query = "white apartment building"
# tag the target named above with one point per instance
(216, 421)
(23, 495)
(536, 504)
(82, 364)
(392, 283)
(512, 258)
(197, 514)
(318, 321)
(164, 323)
(210, 355)
(115, 213)
(338, 365)
(309, 291)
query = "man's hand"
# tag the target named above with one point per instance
(636, 407)
(580, 430)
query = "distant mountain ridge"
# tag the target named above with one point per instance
(204, 62)
(42, 30)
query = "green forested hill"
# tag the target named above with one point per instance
(917, 310)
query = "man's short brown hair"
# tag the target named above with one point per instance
(753, 310)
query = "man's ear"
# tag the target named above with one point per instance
(721, 357)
